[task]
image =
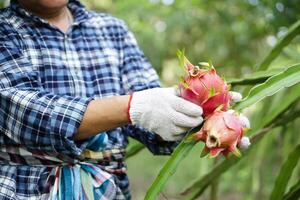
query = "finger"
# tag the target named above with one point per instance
(244, 121)
(178, 137)
(172, 90)
(244, 143)
(177, 130)
(186, 121)
(235, 96)
(177, 91)
(183, 106)
(173, 137)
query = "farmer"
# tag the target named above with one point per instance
(66, 75)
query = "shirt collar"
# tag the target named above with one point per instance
(79, 12)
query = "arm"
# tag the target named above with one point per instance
(48, 122)
(102, 115)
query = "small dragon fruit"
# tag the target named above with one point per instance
(222, 133)
(203, 86)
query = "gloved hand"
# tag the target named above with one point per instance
(235, 96)
(245, 141)
(161, 111)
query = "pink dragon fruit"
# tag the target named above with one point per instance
(222, 133)
(223, 130)
(203, 86)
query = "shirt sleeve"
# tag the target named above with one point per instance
(31, 116)
(138, 74)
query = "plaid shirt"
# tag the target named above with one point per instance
(47, 78)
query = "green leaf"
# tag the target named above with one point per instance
(293, 31)
(197, 188)
(293, 193)
(134, 149)
(285, 174)
(287, 78)
(289, 99)
(170, 166)
(254, 78)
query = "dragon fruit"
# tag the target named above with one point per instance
(203, 86)
(223, 132)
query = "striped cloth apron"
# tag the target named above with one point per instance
(82, 178)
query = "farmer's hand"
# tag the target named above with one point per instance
(235, 96)
(161, 111)
(245, 141)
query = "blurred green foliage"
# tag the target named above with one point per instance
(232, 33)
(235, 35)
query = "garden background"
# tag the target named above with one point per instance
(236, 35)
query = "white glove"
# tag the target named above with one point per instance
(161, 111)
(235, 96)
(244, 143)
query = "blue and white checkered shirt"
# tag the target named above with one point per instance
(47, 78)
